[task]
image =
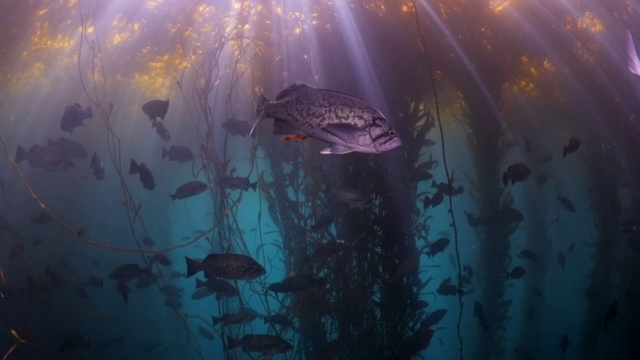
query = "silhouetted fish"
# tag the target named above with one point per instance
(161, 130)
(437, 246)
(189, 189)
(178, 153)
(237, 127)
(516, 273)
(236, 183)
(566, 203)
(265, 344)
(229, 266)
(97, 166)
(69, 147)
(516, 172)
(146, 177)
(244, 316)
(295, 283)
(74, 116)
(45, 157)
(346, 122)
(156, 109)
(574, 144)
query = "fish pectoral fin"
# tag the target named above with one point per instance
(346, 132)
(336, 149)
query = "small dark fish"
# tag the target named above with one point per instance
(612, 313)
(236, 183)
(433, 318)
(161, 130)
(128, 272)
(437, 246)
(80, 291)
(123, 290)
(443, 188)
(561, 260)
(421, 172)
(446, 288)
(346, 122)
(478, 312)
(229, 266)
(237, 127)
(467, 269)
(265, 344)
(42, 218)
(148, 241)
(566, 203)
(69, 147)
(574, 144)
(295, 283)
(528, 255)
(516, 273)
(96, 282)
(280, 320)
(189, 189)
(564, 345)
(156, 109)
(352, 197)
(516, 172)
(205, 333)
(542, 179)
(434, 201)
(527, 144)
(571, 248)
(146, 177)
(328, 250)
(97, 166)
(244, 316)
(219, 287)
(74, 116)
(161, 259)
(45, 157)
(181, 154)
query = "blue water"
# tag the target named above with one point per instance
(492, 75)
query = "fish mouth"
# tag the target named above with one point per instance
(389, 145)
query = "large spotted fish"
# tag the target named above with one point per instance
(349, 124)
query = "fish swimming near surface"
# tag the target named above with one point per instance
(189, 189)
(516, 172)
(349, 124)
(69, 147)
(574, 144)
(156, 109)
(145, 175)
(228, 266)
(74, 116)
(237, 127)
(179, 153)
(161, 130)
(45, 157)
(97, 166)
(633, 63)
(265, 344)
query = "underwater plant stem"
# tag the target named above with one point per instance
(423, 45)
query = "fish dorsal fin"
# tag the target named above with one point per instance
(292, 89)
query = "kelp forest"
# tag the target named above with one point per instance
(169, 187)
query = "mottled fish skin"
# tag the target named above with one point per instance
(45, 157)
(349, 123)
(189, 189)
(228, 266)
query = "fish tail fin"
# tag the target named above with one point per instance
(434, 184)
(133, 167)
(262, 100)
(200, 283)
(253, 185)
(216, 320)
(193, 266)
(173, 197)
(231, 342)
(505, 178)
(21, 154)
(427, 202)
(165, 153)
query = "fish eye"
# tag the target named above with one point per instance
(392, 133)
